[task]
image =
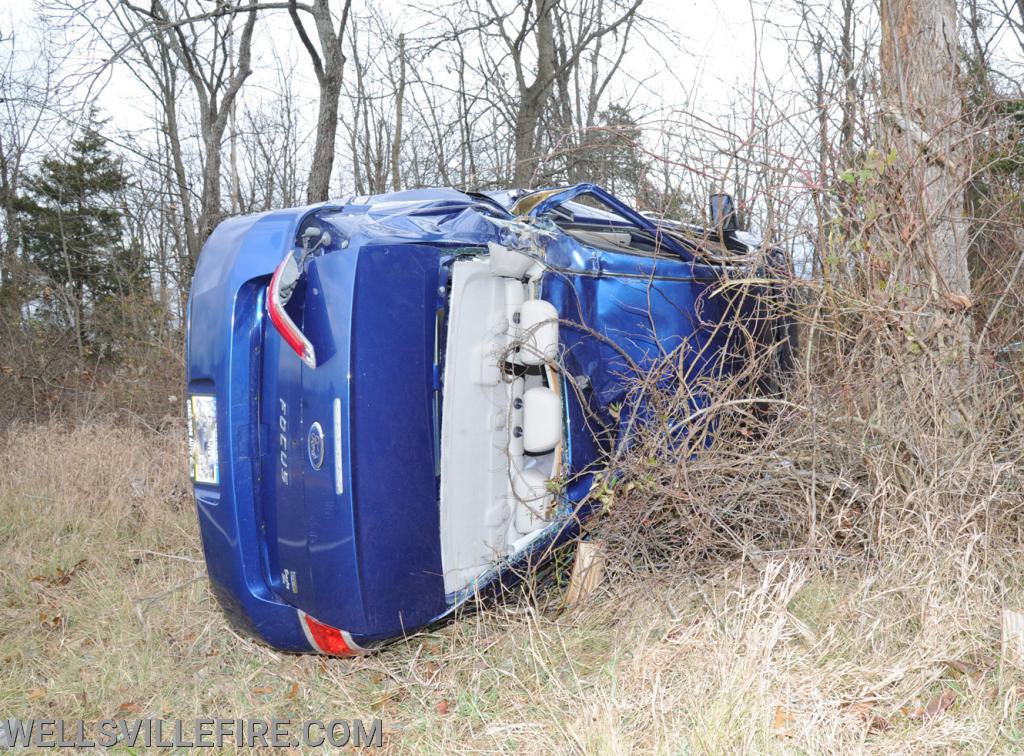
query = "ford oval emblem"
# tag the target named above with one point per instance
(316, 446)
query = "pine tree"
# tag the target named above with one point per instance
(72, 226)
(612, 155)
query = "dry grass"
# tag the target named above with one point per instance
(104, 612)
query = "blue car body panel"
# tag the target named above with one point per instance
(364, 555)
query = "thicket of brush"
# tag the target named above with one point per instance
(867, 510)
(899, 418)
(878, 440)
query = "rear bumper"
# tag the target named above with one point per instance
(235, 577)
(243, 594)
(223, 320)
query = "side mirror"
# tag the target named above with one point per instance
(723, 213)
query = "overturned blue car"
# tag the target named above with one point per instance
(396, 402)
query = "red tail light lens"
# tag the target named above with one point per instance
(285, 274)
(329, 640)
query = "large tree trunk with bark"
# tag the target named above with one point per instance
(534, 98)
(210, 210)
(923, 124)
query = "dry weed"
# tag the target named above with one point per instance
(104, 612)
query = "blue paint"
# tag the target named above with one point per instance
(369, 560)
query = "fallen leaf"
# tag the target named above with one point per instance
(129, 708)
(442, 707)
(864, 710)
(935, 706)
(878, 723)
(987, 661)
(262, 691)
(64, 576)
(432, 647)
(965, 669)
(961, 668)
(36, 693)
(294, 690)
(940, 703)
(782, 721)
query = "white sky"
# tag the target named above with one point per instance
(713, 52)
(716, 55)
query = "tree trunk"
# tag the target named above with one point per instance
(10, 288)
(210, 210)
(923, 122)
(396, 143)
(326, 132)
(328, 65)
(180, 180)
(850, 98)
(534, 98)
(525, 136)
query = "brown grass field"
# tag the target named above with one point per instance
(105, 612)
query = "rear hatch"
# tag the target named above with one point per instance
(348, 504)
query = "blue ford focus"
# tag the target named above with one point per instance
(396, 401)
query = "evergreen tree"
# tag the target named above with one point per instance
(72, 225)
(613, 154)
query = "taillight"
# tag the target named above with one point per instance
(327, 639)
(287, 272)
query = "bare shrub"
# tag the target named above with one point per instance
(891, 441)
(134, 371)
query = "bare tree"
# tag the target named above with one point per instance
(269, 144)
(328, 65)
(217, 74)
(543, 43)
(556, 62)
(378, 94)
(26, 104)
(922, 98)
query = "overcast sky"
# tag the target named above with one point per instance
(716, 54)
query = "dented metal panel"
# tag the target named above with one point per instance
(456, 359)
